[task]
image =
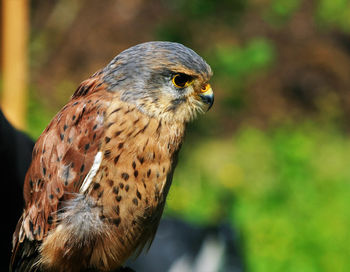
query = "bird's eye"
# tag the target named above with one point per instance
(182, 80)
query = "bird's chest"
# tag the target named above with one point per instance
(138, 156)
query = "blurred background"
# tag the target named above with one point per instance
(272, 156)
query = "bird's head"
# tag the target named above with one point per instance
(163, 79)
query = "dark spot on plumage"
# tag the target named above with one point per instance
(86, 131)
(110, 124)
(121, 185)
(136, 173)
(154, 155)
(159, 127)
(157, 174)
(135, 122)
(94, 137)
(115, 190)
(117, 210)
(134, 164)
(72, 165)
(65, 127)
(118, 198)
(120, 146)
(50, 176)
(163, 169)
(82, 168)
(58, 190)
(142, 130)
(61, 136)
(116, 159)
(125, 176)
(144, 184)
(100, 194)
(96, 186)
(94, 127)
(69, 140)
(121, 240)
(127, 188)
(135, 201)
(31, 226)
(102, 217)
(110, 182)
(43, 151)
(107, 139)
(116, 110)
(86, 147)
(75, 103)
(73, 118)
(141, 159)
(129, 110)
(66, 183)
(31, 184)
(118, 133)
(107, 153)
(148, 173)
(80, 116)
(89, 101)
(146, 201)
(39, 230)
(49, 219)
(51, 196)
(138, 194)
(44, 171)
(144, 147)
(133, 222)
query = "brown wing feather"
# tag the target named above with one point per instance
(62, 157)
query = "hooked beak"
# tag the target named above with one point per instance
(207, 96)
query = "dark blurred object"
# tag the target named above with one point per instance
(15, 149)
(182, 247)
(177, 247)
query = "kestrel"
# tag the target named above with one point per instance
(101, 170)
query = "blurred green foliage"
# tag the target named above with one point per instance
(236, 62)
(279, 12)
(334, 13)
(287, 189)
(39, 115)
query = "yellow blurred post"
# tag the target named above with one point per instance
(14, 55)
